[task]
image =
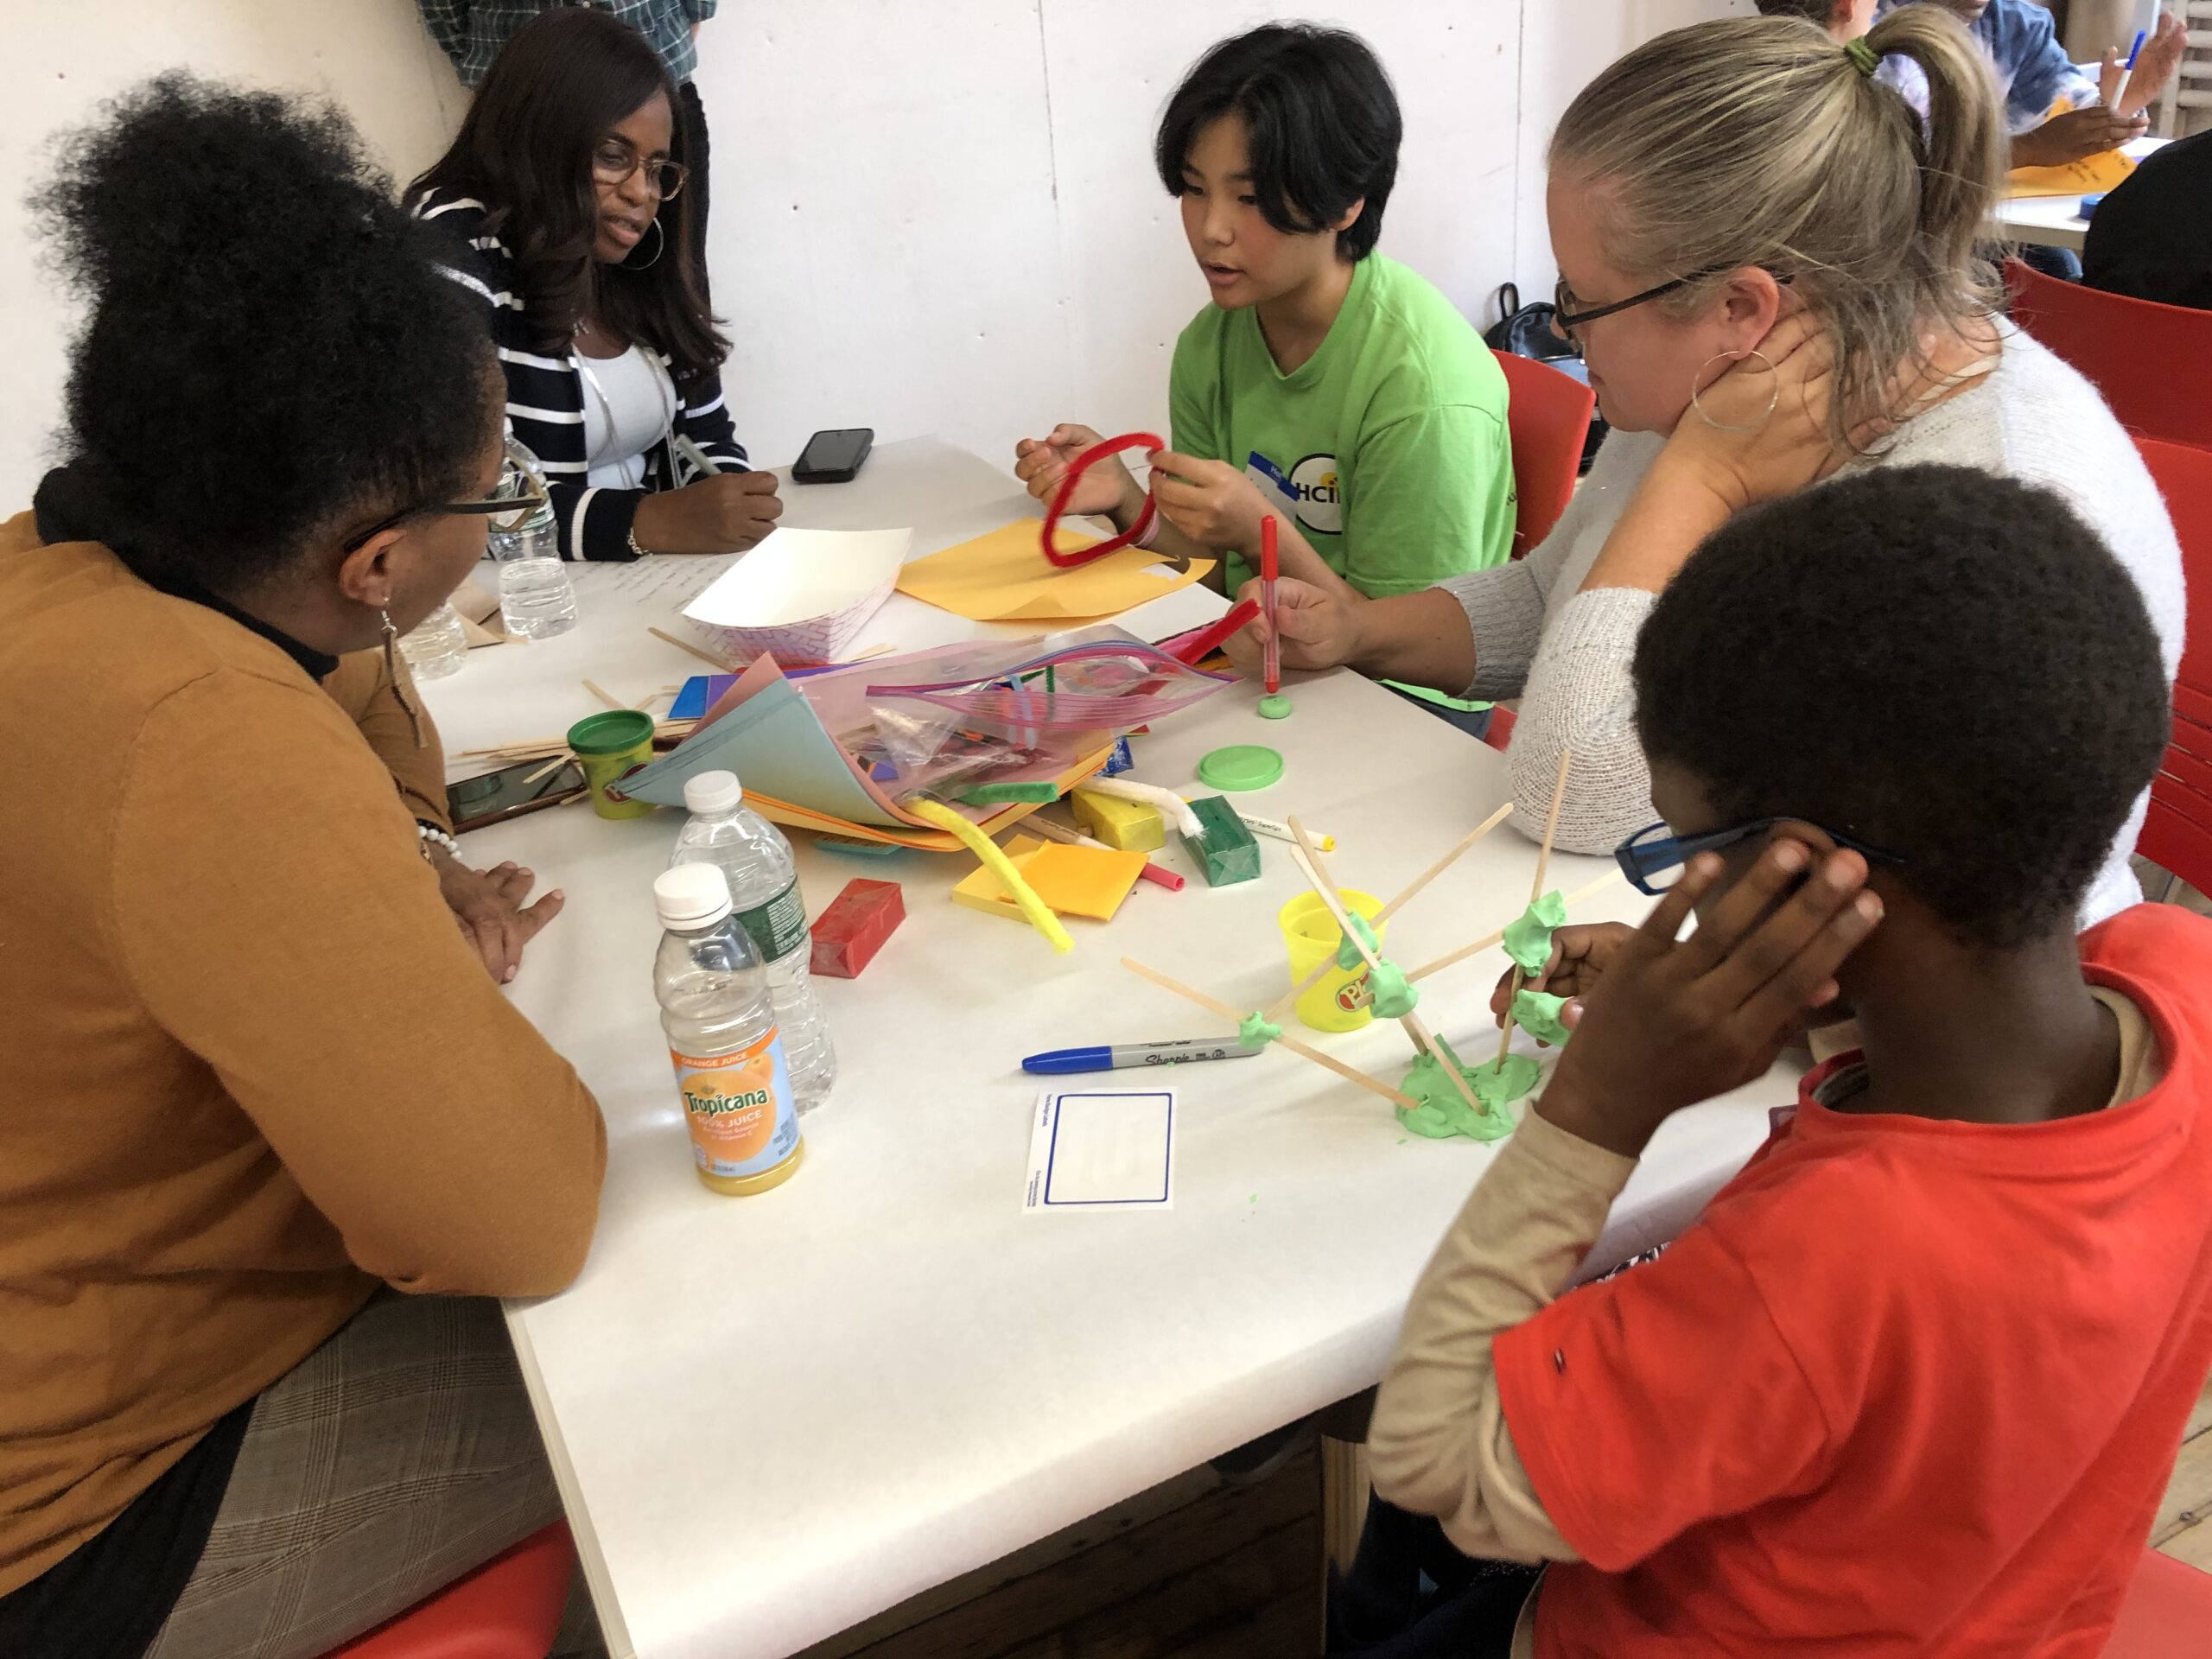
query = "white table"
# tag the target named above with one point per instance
(2056, 221)
(773, 1417)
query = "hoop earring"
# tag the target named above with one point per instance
(660, 241)
(1774, 391)
(391, 672)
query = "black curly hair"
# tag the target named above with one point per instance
(270, 353)
(1944, 663)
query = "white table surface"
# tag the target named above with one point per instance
(773, 1417)
(2056, 221)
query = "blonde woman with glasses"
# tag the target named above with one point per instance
(1771, 270)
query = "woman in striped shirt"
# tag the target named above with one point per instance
(565, 189)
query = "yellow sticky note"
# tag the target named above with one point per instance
(1004, 576)
(2086, 177)
(1071, 880)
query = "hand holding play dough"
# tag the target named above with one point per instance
(1318, 628)
(1578, 958)
(1041, 463)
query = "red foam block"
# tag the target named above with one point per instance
(847, 935)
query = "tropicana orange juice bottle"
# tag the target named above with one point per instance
(721, 1022)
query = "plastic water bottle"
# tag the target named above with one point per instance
(436, 646)
(537, 599)
(764, 887)
(721, 1023)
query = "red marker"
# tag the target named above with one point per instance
(1273, 662)
(1192, 649)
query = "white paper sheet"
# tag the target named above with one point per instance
(802, 594)
(1102, 1149)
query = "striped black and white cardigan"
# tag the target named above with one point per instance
(545, 402)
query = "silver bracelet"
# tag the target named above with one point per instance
(430, 835)
(637, 551)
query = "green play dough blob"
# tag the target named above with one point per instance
(1275, 708)
(1387, 989)
(1537, 1013)
(1443, 1114)
(1253, 1031)
(1529, 939)
(1348, 956)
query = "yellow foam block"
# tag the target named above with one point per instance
(1071, 880)
(1126, 826)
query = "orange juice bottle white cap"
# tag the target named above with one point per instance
(691, 896)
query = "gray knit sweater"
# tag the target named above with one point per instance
(1566, 654)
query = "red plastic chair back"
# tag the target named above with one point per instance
(509, 1608)
(1547, 415)
(2177, 833)
(2151, 362)
(2167, 1614)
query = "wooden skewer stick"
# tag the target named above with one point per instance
(606, 697)
(548, 769)
(1224, 1011)
(1492, 941)
(1284, 1005)
(1308, 859)
(700, 652)
(1536, 892)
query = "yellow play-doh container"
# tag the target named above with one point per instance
(1339, 1000)
(609, 748)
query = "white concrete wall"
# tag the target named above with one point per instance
(935, 217)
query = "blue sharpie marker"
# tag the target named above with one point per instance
(1125, 1055)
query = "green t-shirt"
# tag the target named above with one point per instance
(1387, 447)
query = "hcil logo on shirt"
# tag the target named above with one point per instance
(1313, 485)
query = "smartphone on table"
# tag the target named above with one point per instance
(511, 791)
(833, 457)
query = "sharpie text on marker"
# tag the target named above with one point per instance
(1122, 1057)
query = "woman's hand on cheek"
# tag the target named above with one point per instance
(1759, 429)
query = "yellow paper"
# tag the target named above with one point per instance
(1071, 880)
(1004, 578)
(2083, 178)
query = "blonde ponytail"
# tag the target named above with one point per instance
(1757, 141)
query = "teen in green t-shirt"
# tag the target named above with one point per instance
(1327, 386)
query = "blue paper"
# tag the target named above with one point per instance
(775, 744)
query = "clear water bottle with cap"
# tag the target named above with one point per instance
(764, 886)
(537, 599)
(436, 646)
(722, 1040)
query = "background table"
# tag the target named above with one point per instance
(2055, 221)
(773, 1417)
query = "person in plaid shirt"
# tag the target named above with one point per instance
(471, 33)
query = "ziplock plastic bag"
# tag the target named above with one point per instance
(1091, 690)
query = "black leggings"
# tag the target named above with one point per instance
(1411, 1595)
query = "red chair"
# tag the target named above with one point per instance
(2168, 1612)
(2177, 832)
(2151, 362)
(509, 1608)
(1547, 415)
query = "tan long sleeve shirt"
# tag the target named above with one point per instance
(248, 1066)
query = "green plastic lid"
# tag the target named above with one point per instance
(1240, 767)
(615, 732)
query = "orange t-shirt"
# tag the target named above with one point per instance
(1906, 1387)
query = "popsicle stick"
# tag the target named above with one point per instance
(1492, 941)
(1536, 892)
(1412, 891)
(703, 655)
(606, 697)
(548, 769)
(1328, 1063)
(1308, 859)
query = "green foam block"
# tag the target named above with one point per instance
(1044, 792)
(1225, 847)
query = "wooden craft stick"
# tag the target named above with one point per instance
(701, 652)
(1536, 892)
(1223, 1010)
(548, 769)
(1308, 859)
(606, 697)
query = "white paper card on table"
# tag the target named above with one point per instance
(802, 594)
(1102, 1149)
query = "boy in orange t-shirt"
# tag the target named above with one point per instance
(1911, 1383)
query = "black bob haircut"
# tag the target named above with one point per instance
(524, 150)
(1943, 664)
(270, 353)
(1324, 122)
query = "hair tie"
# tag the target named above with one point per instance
(1863, 58)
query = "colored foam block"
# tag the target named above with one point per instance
(1126, 826)
(1043, 791)
(1071, 880)
(1225, 847)
(847, 935)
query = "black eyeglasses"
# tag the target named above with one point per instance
(1565, 320)
(514, 501)
(1654, 860)
(615, 161)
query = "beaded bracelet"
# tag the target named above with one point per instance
(428, 835)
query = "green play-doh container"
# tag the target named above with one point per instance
(609, 748)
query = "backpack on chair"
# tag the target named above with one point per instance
(1526, 331)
